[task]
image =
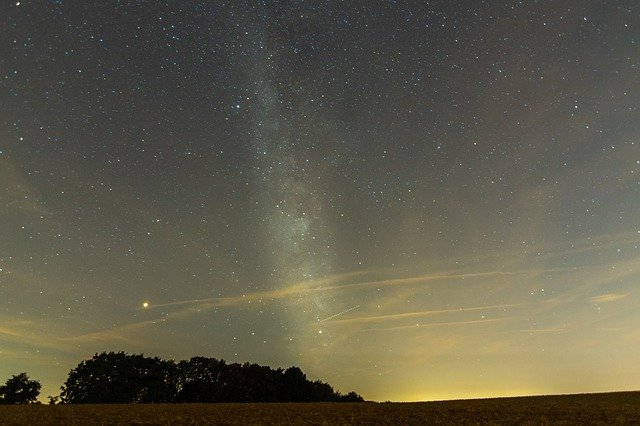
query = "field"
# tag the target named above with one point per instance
(606, 408)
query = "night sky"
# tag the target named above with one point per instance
(409, 199)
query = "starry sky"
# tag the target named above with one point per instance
(413, 200)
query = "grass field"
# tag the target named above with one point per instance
(606, 408)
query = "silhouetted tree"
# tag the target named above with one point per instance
(20, 390)
(296, 385)
(234, 384)
(351, 397)
(198, 380)
(120, 378)
(157, 380)
(320, 391)
(261, 384)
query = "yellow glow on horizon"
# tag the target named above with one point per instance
(448, 396)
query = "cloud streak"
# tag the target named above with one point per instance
(609, 297)
(334, 284)
(404, 315)
(436, 324)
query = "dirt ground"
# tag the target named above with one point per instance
(608, 408)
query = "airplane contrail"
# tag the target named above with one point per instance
(340, 313)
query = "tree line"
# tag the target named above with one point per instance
(120, 378)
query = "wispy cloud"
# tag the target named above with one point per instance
(336, 283)
(544, 330)
(404, 315)
(320, 285)
(5, 331)
(128, 334)
(351, 285)
(436, 324)
(29, 333)
(609, 297)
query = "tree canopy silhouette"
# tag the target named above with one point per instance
(20, 390)
(120, 378)
(117, 377)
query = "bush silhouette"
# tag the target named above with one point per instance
(20, 390)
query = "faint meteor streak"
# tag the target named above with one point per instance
(340, 313)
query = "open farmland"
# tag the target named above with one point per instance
(607, 408)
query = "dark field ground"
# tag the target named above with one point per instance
(608, 408)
